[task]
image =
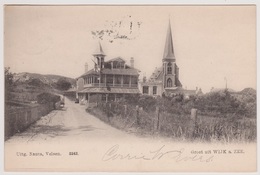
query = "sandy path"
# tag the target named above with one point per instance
(69, 124)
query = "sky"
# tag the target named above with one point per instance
(211, 43)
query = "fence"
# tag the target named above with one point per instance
(19, 118)
(129, 116)
(184, 127)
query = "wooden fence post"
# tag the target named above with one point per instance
(125, 110)
(108, 110)
(194, 118)
(16, 123)
(137, 116)
(157, 118)
(26, 118)
(193, 114)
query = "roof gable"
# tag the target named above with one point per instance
(156, 75)
(118, 59)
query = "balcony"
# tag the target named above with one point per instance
(111, 85)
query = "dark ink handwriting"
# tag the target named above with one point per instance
(113, 153)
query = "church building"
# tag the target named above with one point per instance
(165, 79)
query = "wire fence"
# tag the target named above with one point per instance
(184, 127)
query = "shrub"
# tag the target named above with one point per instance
(221, 103)
(47, 97)
(147, 102)
(36, 82)
(216, 104)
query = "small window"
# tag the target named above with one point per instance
(154, 90)
(169, 68)
(145, 90)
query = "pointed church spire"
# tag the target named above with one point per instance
(168, 49)
(99, 50)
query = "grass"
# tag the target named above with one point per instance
(181, 127)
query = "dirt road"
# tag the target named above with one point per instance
(71, 123)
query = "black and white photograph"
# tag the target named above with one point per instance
(130, 88)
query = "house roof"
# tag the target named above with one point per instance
(130, 71)
(119, 59)
(111, 90)
(90, 72)
(178, 83)
(156, 74)
(126, 71)
(147, 83)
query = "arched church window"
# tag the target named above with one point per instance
(169, 68)
(169, 82)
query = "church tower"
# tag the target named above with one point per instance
(100, 56)
(170, 69)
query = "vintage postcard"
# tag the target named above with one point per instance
(130, 88)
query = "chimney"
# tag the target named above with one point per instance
(144, 78)
(132, 62)
(86, 67)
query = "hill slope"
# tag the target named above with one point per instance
(28, 85)
(46, 79)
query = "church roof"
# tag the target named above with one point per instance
(168, 49)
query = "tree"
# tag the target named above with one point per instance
(9, 83)
(8, 77)
(63, 84)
